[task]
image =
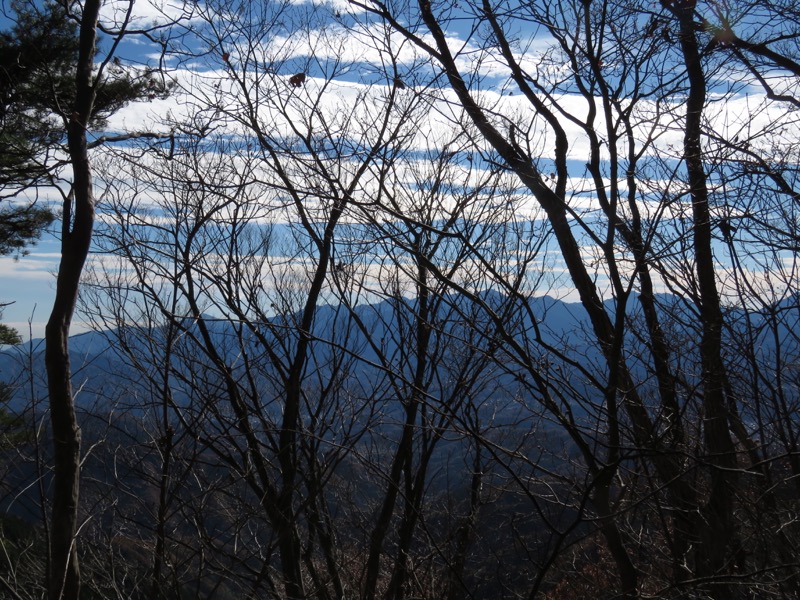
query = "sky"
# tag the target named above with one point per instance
(31, 278)
(28, 281)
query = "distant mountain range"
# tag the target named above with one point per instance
(101, 365)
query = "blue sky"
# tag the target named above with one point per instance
(324, 48)
(29, 283)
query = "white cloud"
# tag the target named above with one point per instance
(345, 106)
(147, 14)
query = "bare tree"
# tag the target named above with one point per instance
(332, 290)
(603, 75)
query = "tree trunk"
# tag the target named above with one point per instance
(717, 520)
(78, 219)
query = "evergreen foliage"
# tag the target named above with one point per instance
(38, 55)
(20, 226)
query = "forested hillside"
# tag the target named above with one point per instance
(408, 300)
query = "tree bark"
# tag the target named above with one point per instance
(78, 219)
(717, 519)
